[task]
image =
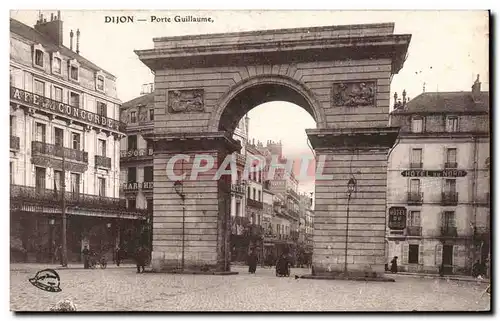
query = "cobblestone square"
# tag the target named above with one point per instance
(122, 289)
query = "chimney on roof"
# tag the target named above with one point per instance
(52, 29)
(476, 89)
(71, 40)
(78, 41)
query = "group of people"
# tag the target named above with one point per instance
(141, 257)
(283, 263)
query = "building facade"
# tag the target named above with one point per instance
(136, 158)
(64, 115)
(438, 182)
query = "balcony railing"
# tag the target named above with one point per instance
(292, 193)
(415, 197)
(238, 188)
(49, 197)
(14, 143)
(450, 165)
(51, 106)
(416, 165)
(449, 198)
(448, 231)
(414, 230)
(40, 148)
(102, 161)
(136, 154)
(254, 203)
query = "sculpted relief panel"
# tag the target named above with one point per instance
(353, 94)
(185, 101)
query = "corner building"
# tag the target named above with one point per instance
(438, 182)
(63, 114)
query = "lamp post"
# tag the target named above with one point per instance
(63, 210)
(351, 187)
(178, 186)
(52, 222)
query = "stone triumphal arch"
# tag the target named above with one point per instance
(203, 86)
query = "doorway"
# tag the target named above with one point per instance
(448, 259)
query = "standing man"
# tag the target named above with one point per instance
(394, 265)
(140, 258)
(252, 262)
(118, 253)
(86, 257)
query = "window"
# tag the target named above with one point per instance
(39, 58)
(39, 179)
(132, 175)
(101, 147)
(101, 186)
(413, 254)
(58, 94)
(76, 140)
(414, 218)
(451, 158)
(39, 88)
(260, 196)
(58, 136)
(57, 181)
(132, 142)
(74, 99)
(452, 124)
(248, 192)
(149, 204)
(102, 109)
(254, 193)
(57, 65)
(12, 123)
(238, 209)
(73, 72)
(100, 83)
(11, 173)
(131, 204)
(40, 132)
(151, 114)
(450, 186)
(133, 117)
(148, 173)
(416, 158)
(449, 219)
(75, 183)
(415, 186)
(417, 125)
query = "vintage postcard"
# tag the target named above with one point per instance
(249, 161)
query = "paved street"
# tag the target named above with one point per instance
(123, 289)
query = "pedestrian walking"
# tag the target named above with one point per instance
(140, 258)
(394, 265)
(252, 262)
(86, 257)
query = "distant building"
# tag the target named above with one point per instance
(438, 188)
(136, 156)
(63, 108)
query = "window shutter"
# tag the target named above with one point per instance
(421, 254)
(404, 254)
(439, 254)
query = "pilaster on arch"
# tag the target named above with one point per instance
(297, 86)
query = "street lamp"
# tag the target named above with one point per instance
(179, 189)
(351, 187)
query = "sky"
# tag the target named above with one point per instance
(447, 50)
